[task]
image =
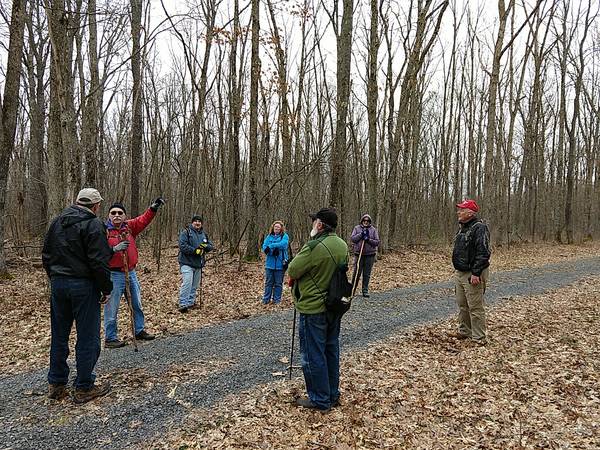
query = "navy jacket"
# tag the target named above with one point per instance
(189, 241)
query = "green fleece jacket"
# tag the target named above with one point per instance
(312, 269)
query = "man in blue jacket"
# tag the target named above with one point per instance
(193, 246)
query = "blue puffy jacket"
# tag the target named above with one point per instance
(190, 240)
(277, 242)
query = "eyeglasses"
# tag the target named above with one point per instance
(116, 213)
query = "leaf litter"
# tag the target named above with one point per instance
(536, 385)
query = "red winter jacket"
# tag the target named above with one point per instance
(129, 229)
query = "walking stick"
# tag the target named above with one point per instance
(200, 287)
(127, 293)
(291, 366)
(356, 277)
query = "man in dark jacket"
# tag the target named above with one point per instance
(193, 245)
(75, 257)
(471, 259)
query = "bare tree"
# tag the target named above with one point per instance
(9, 110)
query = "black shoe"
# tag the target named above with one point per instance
(183, 309)
(336, 403)
(83, 396)
(144, 336)
(57, 391)
(366, 295)
(306, 403)
(115, 344)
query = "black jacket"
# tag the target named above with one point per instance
(472, 247)
(76, 246)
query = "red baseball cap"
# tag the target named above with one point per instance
(468, 204)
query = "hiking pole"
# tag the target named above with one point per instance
(291, 366)
(127, 294)
(200, 287)
(357, 273)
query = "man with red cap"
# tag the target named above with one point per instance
(471, 259)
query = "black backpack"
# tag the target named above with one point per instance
(339, 291)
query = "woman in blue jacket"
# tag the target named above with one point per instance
(275, 247)
(193, 245)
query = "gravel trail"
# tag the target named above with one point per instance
(224, 359)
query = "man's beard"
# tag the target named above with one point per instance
(313, 232)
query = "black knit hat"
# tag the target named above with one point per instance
(326, 215)
(197, 217)
(118, 205)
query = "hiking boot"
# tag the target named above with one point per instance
(57, 391)
(305, 402)
(144, 336)
(83, 396)
(336, 403)
(458, 335)
(182, 309)
(115, 344)
(366, 295)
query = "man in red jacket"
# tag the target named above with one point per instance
(121, 234)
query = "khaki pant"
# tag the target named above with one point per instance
(471, 315)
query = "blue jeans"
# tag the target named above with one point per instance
(320, 348)
(191, 277)
(111, 309)
(74, 299)
(273, 285)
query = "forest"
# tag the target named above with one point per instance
(247, 112)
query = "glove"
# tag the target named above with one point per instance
(276, 252)
(204, 245)
(199, 251)
(120, 246)
(267, 251)
(104, 299)
(157, 203)
(365, 234)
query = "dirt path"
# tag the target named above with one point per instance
(154, 389)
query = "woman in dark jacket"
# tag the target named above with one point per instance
(193, 245)
(365, 237)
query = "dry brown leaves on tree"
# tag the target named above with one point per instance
(536, 385)
(228, 293)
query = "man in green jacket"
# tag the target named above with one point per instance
(319, 330)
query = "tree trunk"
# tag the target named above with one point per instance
(338, 156)
(372, 66)
(8, 111)
(137, 121)
(252, 242)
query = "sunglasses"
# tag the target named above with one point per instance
(116, 213)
